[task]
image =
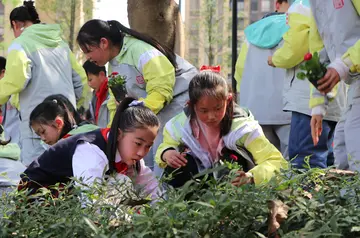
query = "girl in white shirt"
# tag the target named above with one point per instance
(89, 155)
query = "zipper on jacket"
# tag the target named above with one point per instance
(293, 78)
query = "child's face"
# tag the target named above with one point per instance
(133, 146)
(100, 54)
(49, 133)
(95, 81)
(210, 110)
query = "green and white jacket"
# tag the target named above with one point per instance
(152, 78)
(10, 166)
(39, 64)
(245, 133)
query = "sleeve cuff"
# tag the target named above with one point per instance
(339, 65)
(318, 110)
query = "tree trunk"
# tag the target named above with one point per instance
(159, 19)
(72, 24)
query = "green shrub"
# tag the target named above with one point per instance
(328, 208)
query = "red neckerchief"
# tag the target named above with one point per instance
(101, 96)
(215, 69)
(120, 167)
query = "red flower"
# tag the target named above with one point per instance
(114, 73)
(233, 157)
(308, 57)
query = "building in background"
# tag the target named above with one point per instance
(197, 27)
(70, 14)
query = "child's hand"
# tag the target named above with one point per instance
(328, 82)
(270, 62)
(242, 178)
(316, 128)
(174, 159)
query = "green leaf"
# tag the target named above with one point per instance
(91, 225)
(301, 75)
(204, 204)
(355, 229)
(259, 234)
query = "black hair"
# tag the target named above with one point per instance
(93, 68)
(64, 101)
(128, 119)
(2, 63)
(281, 1)
(26, 12)
(208, 83)
(92, 31)
(53, 106)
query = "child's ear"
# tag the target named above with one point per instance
(230, 97)
(59, 123)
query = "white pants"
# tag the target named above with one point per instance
(278, 135)
(352, 132)
(340, 154)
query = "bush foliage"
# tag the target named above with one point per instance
(320, 203)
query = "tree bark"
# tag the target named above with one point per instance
(159, 19)
(72, 24)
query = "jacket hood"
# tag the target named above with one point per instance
(267, 32)
(46, 34)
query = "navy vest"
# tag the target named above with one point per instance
(55, 164)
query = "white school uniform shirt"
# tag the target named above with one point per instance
(96, 164)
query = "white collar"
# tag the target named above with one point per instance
(117, 156)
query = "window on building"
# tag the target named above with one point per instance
(194, 13)
(194, 32)
(265, 6)
(240, 5)
(194, 51)
(254, 5)
(194, 5)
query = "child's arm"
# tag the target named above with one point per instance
(240, 64)
(296, 39)
(95, 166)
(169, 143)
(159, 76)
(17, 73)
(148, 182)
(352, 58)
(79, 79)
(267, 158)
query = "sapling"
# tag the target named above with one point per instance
(314, 69)
(117, 84)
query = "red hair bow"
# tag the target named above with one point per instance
(215, 69)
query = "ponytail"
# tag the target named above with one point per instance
(127, 119)
(26, 12)
(92, 31)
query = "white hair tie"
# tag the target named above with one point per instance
(136, 103)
